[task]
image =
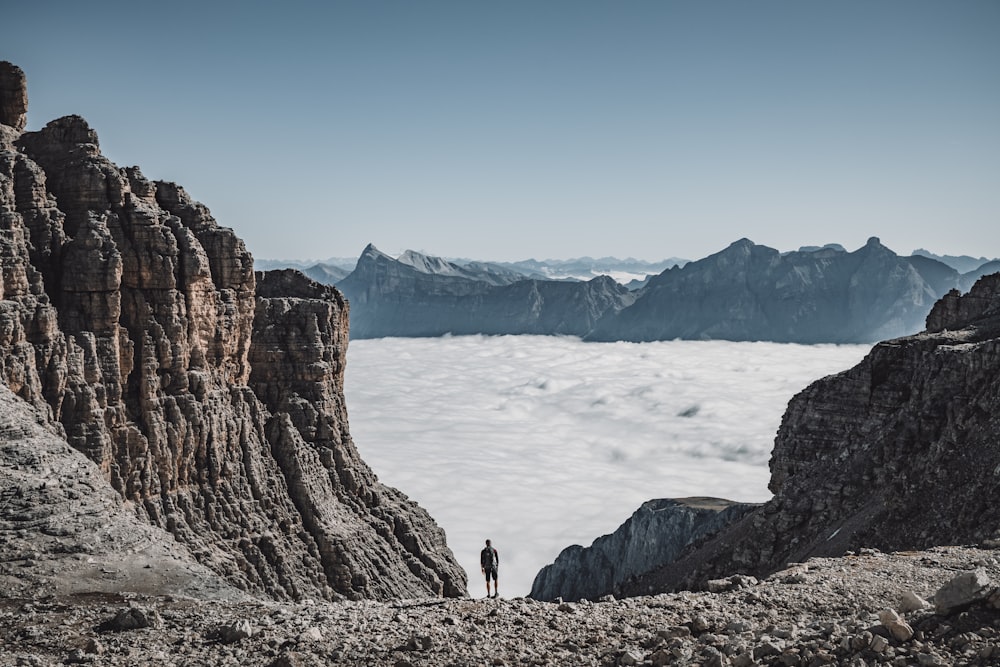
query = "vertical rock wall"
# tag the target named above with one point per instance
(135, 321)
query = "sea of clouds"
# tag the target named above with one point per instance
(540, 442)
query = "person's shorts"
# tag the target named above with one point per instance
(491, 573)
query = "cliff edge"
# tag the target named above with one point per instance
(209, 397)
(900, 452)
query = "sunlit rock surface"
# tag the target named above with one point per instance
(209, 398)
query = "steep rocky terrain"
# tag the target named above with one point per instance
(656, 534)
(900, 452)
(208, 397)
(752, 292)
(420, 296)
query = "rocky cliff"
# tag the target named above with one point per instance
(655, 535)
(752, 292)
(209, 397)
(419, 296)
(900, 452)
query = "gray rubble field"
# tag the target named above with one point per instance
(869, 608)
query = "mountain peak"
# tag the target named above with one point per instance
(372, 253)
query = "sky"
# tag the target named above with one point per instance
(508, 130)
(542, 442)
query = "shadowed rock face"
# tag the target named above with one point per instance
(209, 397)
(655, 535)
(900, 452)
(13, 96)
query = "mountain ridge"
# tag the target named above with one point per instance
(743, 292)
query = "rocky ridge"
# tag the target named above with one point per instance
(209, 398)
(899, 452)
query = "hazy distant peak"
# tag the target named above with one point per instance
(428, 263)
(829, 246)
(961, 263)
(371, 252)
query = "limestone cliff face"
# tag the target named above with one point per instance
(900, 452)
(655, 535)
(210, 397)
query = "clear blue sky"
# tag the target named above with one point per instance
(507, 130)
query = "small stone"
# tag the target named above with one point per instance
(895, 624)
(661, 658)
(910, 601)
(310, 634)
(738, 626)
(699, 624)
(631, 657)
(879, 644)
(963, 590)
(744, 659)
(766, 649)
(132, 618)
(236, 631)
(674, 631)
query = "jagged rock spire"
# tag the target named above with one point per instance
(13, 96)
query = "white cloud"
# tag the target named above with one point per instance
(542, 442)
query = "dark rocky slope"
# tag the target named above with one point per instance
(390, 297)
(210, 398)
(656, 534)
(900, 452)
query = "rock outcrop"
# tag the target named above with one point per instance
(66, 532)
(900, 452)
(752, 292)
(420, 296)
(209, 397)
(655, 535)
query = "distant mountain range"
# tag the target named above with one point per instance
(817, 294)
(425, 296)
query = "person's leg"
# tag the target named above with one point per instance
(487, 583)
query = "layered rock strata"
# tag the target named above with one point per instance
(900, 452)
(210, 398)
(655, 535)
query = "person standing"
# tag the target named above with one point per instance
(489, 559)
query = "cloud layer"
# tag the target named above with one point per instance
(542, 442)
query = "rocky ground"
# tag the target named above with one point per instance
(829, 611)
